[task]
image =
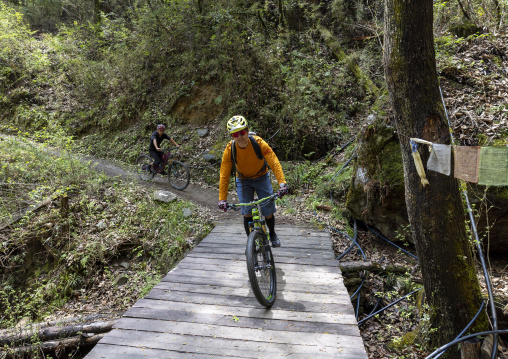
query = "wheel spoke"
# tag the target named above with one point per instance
(261, 269)
(179, 175)
(143, 164)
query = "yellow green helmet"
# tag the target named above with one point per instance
(237, 123)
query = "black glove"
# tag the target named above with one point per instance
(283, 190)
(223, 205)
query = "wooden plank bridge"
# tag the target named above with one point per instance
(205, 308)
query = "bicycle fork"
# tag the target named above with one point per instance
(265, 262)
(258, 224)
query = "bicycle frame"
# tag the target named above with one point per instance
(167, 157)
(258, 223)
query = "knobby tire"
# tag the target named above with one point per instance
(143, 164)
(179, 175)
(261, 269)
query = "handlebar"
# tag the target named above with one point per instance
(237, 206)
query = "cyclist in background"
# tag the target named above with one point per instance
(251, 173)
(155, 149)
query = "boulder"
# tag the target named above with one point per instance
(164, 196)
(209, 157)
(376, 194)
(202, 132)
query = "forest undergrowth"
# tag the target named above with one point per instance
(75, 242)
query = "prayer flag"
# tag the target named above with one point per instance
(493, 170)
(440, 158)
(467, 160)
(418, 163)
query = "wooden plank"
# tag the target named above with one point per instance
(247, 301)
(108, 351)
(309, 278)
(241, 237)
(285, 245)
(246, 291)
(285, 229)
(242, 322)
(278, 259)
(219, 265)
(277, 252)
(220, 281)
(219, 238)
(260, 334)
(259, 312)
(210, 345)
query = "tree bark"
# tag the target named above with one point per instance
(435, 212)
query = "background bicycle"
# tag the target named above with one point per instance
(259, 258)
(178, 173)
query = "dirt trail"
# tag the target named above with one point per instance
(202, 196)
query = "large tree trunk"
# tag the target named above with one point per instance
(435, 211)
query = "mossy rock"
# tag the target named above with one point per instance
(376, 194)
(464, 29)
(407, 340)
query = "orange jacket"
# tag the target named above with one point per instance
(248, 164)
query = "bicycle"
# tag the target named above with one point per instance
(178, 173)
(260, 262)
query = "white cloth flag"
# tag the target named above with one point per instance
(440, 159)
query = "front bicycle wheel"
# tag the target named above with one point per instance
(261, 268)
(143, 164)
(179, 175)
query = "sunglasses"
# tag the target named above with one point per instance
(239, 133)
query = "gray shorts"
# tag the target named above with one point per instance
(262, 186)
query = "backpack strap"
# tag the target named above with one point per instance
(257, 150)
(256, 147)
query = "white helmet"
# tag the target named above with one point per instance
(236, 123)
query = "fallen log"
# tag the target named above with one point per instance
(54, 332)
(81, 341)
(348, 267)
(324, 207)
(71, 320)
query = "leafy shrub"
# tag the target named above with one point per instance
(70, 244)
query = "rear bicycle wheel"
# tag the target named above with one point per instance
(143, 164)
(178, 175)
(261, 268)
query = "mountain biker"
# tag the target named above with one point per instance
(251, 174)
(155, 151)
